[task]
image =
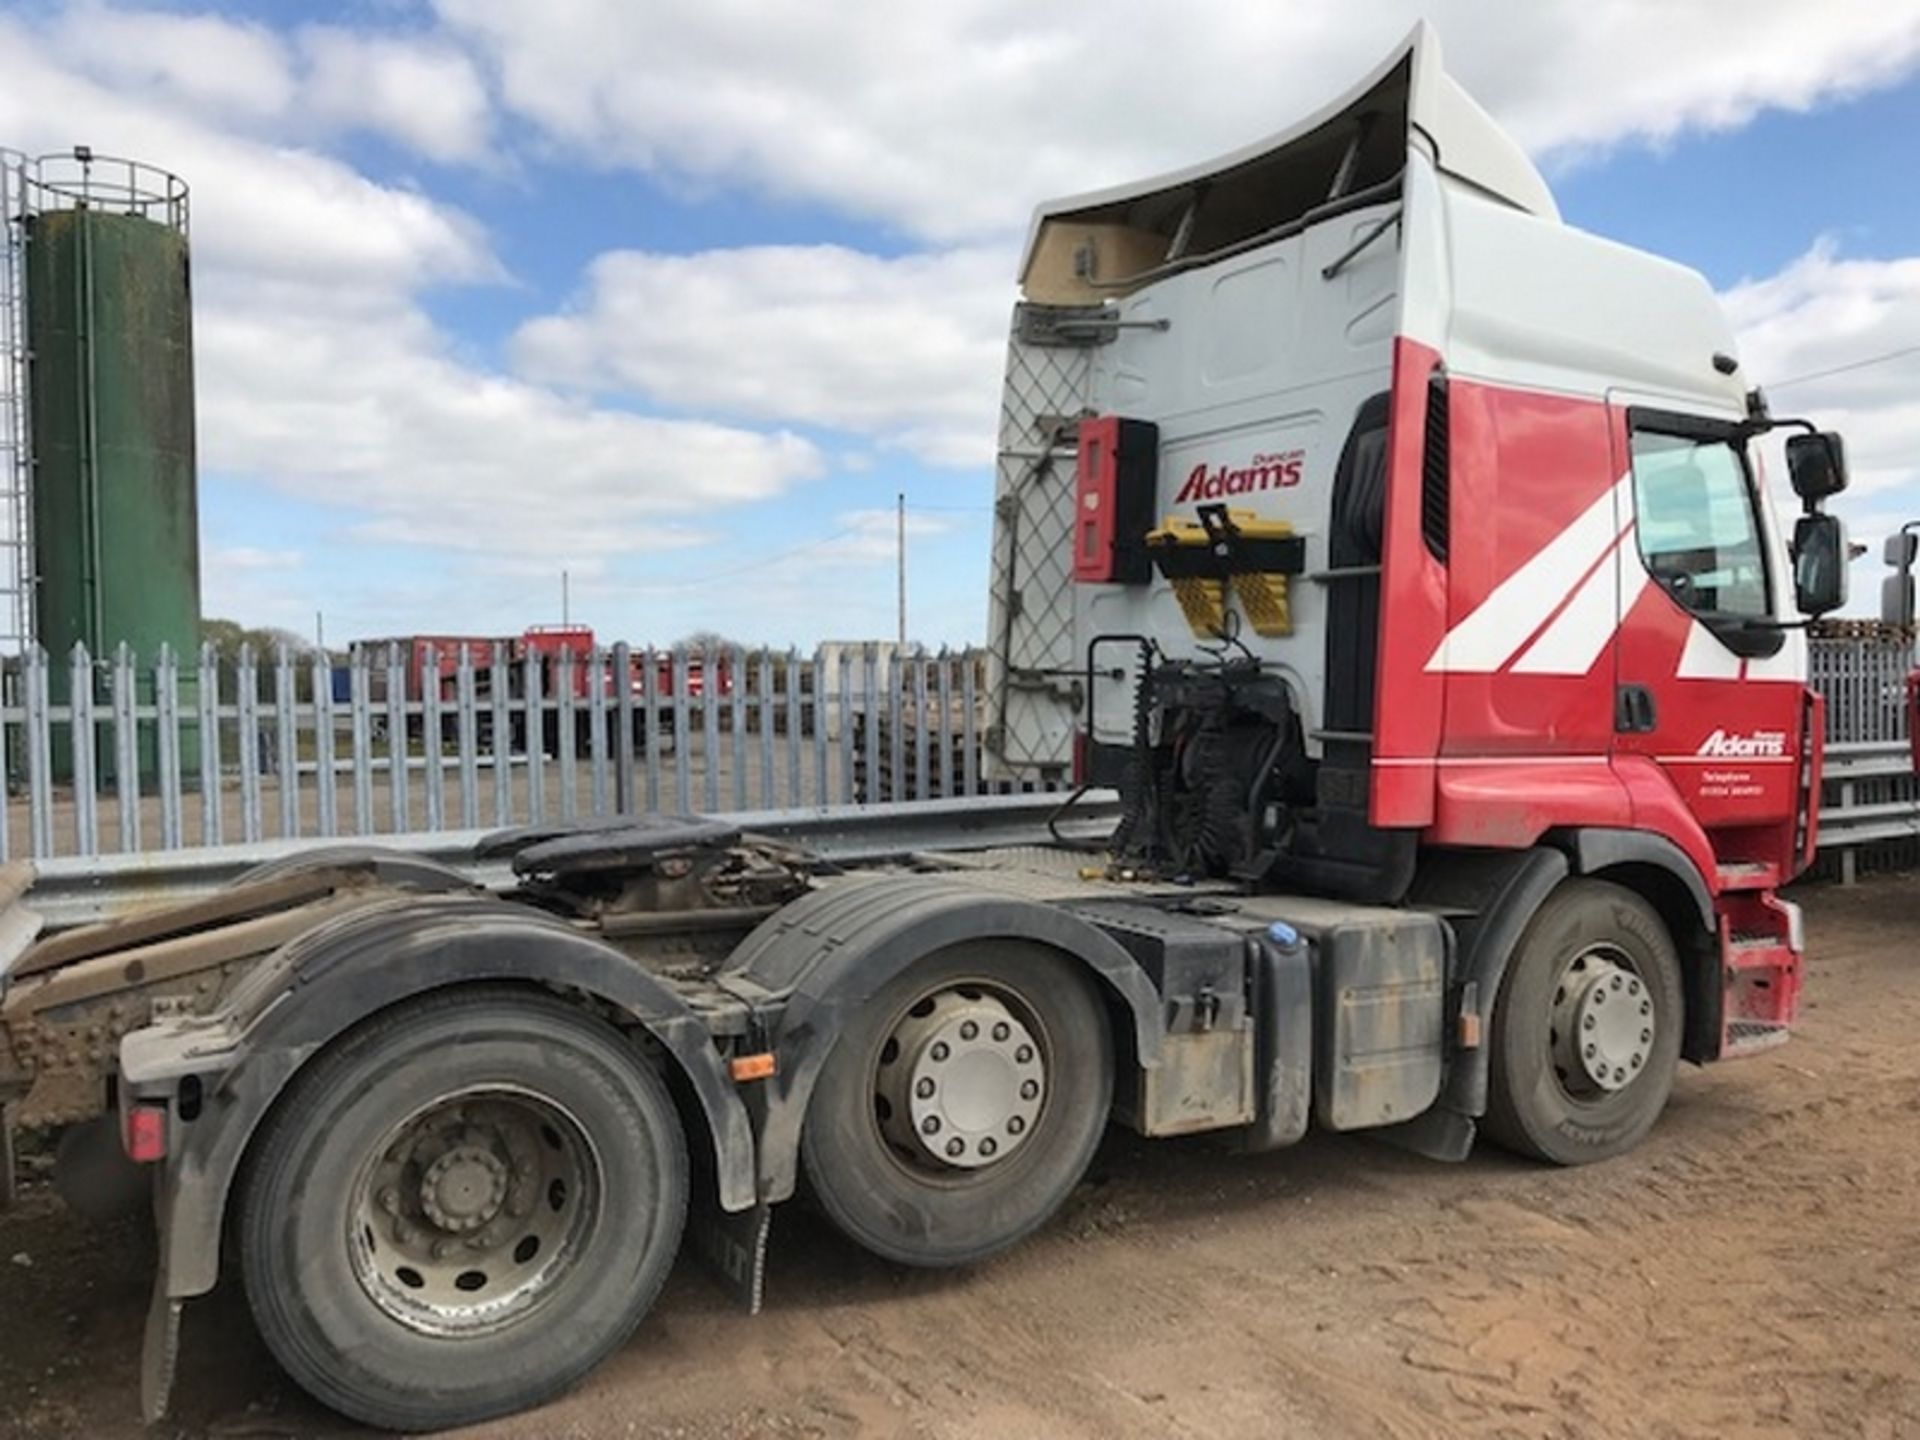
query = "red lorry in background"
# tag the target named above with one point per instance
(562, 657)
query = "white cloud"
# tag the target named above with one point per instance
(262, 208)
(251, 557)
(905, 350)
(320, 375)
(1823, 312)
(228, 67)
(424, 93)
(357, 400)
(951, 120)
(779, 597)
(420, 90)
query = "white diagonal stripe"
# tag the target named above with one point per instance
(1705, 658)
(1520, 604)
(1573, 642)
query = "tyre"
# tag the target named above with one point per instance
(962, 1105)
(1586, 1029)
(461, 1208)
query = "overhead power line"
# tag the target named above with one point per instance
(1850, 366)
(696, 581)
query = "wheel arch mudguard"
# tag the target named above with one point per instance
(1594, 850)
(1489, 896)
(828, 953)
(315, 989)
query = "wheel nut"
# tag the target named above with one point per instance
(442, 1249)
(1588, 1024)
(1002, 1030)
(955, 1146)
(1024, 1054)
(1646, 1007)
(987, 1147)
(968, 1030)
(390, 1201)
(1645, 1036)
(930, 1125)
(940, 1051)
(1029, 1089)
(1016, 1126)
(1591, 1052)
(924, 1089)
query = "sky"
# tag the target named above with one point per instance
(677, 298)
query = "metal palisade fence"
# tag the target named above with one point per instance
(125, 756)
(1870, 805)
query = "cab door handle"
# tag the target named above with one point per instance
(1633, 710)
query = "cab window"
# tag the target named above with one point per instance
(1697, 527)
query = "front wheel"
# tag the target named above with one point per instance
(962, 1104)
(1586, 1029)
(461, 1208)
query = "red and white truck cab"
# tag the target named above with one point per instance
(1416, 536)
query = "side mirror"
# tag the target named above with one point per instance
(1896, 591)
(1819, 564)
(1896, 600)
(1817, 464)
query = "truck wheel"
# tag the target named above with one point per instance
(962, 1104)
(1586, 1031)
(461, 1208)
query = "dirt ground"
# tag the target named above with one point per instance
(1753, 1270)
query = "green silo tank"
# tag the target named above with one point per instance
(110, 379)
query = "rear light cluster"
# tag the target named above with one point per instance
(1113, 493)
(144, 1131)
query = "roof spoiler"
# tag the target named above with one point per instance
(1351, 152)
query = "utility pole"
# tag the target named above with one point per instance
(900, 549)
(319, 632)
(566, 615)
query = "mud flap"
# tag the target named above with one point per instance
(1439, 1134)
(9, 1177)
(159, 1349)
(734, 1248)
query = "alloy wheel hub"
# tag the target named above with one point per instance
(472, 1212)
(965, 1081)
(1603, 1023)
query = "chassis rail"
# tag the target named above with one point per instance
(80, 890)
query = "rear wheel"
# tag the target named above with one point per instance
(1586, 1031)
(962, 1105)
(461, 1209)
